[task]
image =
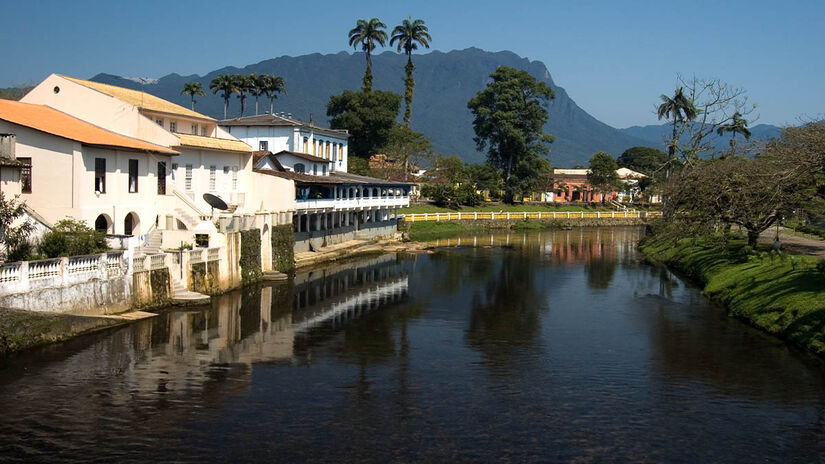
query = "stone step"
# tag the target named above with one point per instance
(274, 276)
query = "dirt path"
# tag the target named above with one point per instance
(803, 245)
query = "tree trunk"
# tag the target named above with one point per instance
(225, 105)
(271, 103)
(753, 236)
(409, 87)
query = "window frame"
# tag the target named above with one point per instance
(134, 173)
(25, 173)
(100, 175)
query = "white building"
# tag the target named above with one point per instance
(330, 205)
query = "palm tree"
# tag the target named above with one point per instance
(737, 125)
(681, 109)
(256, 88)
(271, 86)
(192, 88)
(224, 83)
(367, 33)
(409, 35)
(243, 84)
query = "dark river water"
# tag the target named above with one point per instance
(555, 347)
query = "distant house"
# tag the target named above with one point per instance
(571, 185)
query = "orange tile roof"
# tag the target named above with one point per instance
(52, 121)
(213, 143)
(140, 99)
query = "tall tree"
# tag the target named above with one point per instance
(192, 88)
(368, 33)
(225, 84)
(602, 173)
(367, 115)
(737, 125)
(410, 34)
(244, 84)
(509, 116)
(408, 147)
(256, 87)
(272, 85)
(679, 109)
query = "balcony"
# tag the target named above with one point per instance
(353, 203)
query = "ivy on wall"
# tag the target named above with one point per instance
(250, 255)
(283, 248)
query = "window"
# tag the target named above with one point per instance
(212, 177)
(324, 169)
(159, 121)
(315, 169)
(234, 178)
(133, 176)
(299, 167)
(100, 175)
(174, 170)
(263, 145)
(188, 178)
(315, 147)
(25, 175)
(306, 145)
(161, 178)
(328, 153)
(173, 126)
(194, 129)
(340, 153)
(334, 152)
(203, 131)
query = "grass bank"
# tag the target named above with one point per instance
(782, 294)
(426, 231)
(21, 330)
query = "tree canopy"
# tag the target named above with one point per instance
(642, 159)
(508, 120)
(367, 115)
(602, 174)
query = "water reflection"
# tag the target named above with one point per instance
(551, 346)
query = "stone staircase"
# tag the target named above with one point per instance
(154, 243)
(181, 296)
(617, 205)
(187, 219)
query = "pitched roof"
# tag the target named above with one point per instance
(140, 99)
(51, 121)
(212, 143)
(279, 121)
(306, 156)
(336, 178)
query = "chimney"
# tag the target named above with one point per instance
(8, 146)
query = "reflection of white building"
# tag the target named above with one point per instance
(331, 205)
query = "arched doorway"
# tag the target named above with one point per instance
(131, 224)
(103, 223)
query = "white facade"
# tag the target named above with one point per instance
(275, 134)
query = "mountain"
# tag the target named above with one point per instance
(655, 135)
(445, 82)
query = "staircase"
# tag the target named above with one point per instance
(153, 243)
(617, 205)
(187, 219)
(181, 296)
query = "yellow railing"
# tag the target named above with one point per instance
(475, 216)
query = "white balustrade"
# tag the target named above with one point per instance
(82, 264)
(213, 254)
(44, 269)
(10, 272)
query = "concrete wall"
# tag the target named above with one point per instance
(309, 241)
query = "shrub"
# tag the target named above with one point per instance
(466, 195)
(72, 237)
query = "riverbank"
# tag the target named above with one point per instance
(22, 330)
(426, 231)
(782, 294)
(353, 248)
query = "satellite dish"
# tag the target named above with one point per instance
(215, 202)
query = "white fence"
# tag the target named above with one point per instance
(26, 276)
(476, 216)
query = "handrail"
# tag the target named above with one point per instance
(185, 199)
(515, 215)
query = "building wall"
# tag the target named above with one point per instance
(63, 181)
(99, 109)
(280, 138)
(9, 181)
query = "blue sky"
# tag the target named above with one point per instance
(613, 57)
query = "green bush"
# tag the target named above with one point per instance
(283, 245)
(466, 195)
(251, 255)
(72, 237)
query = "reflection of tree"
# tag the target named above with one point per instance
(600, 270)
(506, 317)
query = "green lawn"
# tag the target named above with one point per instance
(782, 294)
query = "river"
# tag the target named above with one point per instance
(535, 347)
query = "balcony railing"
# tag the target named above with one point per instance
(346, 203)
